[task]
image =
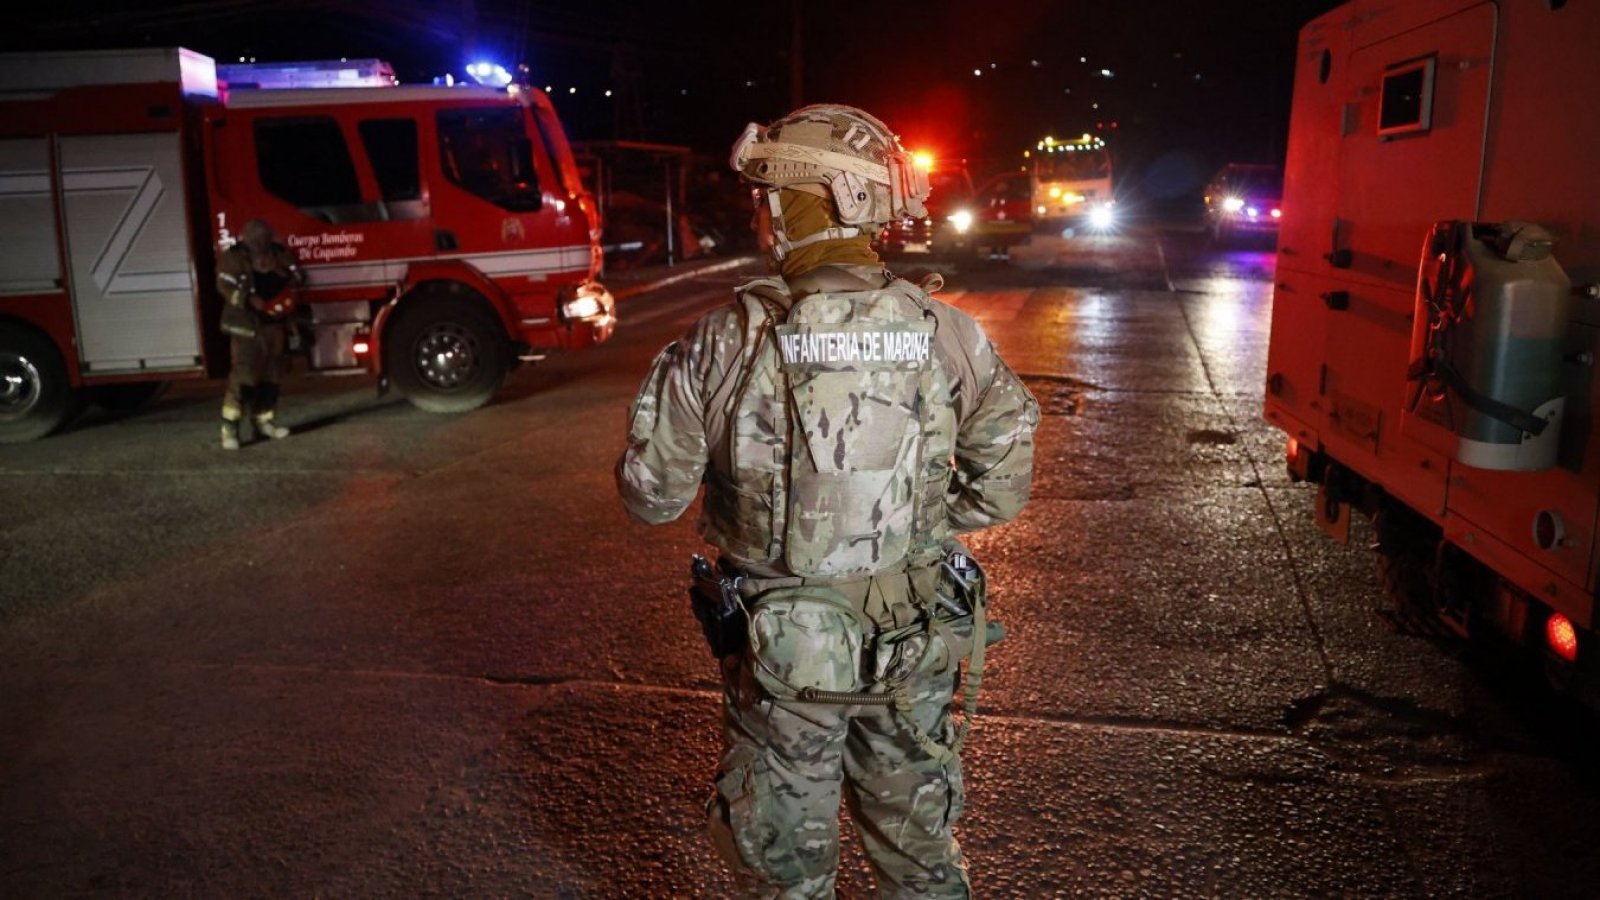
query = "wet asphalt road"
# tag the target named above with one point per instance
(412, 655)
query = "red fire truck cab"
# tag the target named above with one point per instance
(444, 231)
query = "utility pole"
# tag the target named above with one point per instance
(627, 115)
(797, 65)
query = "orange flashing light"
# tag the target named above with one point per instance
(922, 160)
(1562, 637)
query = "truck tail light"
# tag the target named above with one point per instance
(361, 344)
(1299, 461)
(1562, 637)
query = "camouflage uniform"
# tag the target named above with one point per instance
(774, 815)
(251, 275)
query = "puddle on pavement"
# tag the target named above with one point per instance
(1058, 395)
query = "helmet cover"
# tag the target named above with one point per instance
(846, 153)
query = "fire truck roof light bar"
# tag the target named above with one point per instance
(328, 73)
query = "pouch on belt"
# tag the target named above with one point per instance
(807, 638)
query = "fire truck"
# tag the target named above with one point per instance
(444, 231)
(1436, 318)
(1071, 182)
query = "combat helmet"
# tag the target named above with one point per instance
(835, 151)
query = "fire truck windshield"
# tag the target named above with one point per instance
(1074, 165)
(487, 151)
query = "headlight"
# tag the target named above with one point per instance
(1073, 198)
(1232, 204)
(1055, 192)
(1102, 218)
(961, 219)
(590, 301)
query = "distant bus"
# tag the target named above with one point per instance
(1071, 181)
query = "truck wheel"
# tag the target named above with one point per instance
(446, 354)
(128, 397)
(36, 397)
(1405, 564)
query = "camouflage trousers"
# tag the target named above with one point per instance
(774, 816)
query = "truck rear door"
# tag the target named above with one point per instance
(1412, 126)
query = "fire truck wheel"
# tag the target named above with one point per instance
(1405, 559)
(446, 354)
(36, 396)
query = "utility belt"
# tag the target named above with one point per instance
(807, 643)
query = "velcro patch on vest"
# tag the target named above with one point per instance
(857, 346)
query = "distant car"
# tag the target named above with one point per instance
(952, 192)
(1244, 199)
(1002, 212)
(963, 221)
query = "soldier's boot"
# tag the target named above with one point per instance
(267, 428)
(230, 435)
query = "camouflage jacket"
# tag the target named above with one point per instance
(714, 410)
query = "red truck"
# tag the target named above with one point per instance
(444, 231)
(1436, 320)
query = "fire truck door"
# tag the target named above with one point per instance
(1411, 152)
(30, 256)
(128, 253)
(1412, 149)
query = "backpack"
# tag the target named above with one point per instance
(829, 437)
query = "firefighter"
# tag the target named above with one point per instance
(846, 426)
(258, 278)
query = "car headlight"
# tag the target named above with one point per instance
(1102, 218)
(961, 219)
(1232, 204)
(591, 300)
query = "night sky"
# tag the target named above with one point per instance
(1176, 88)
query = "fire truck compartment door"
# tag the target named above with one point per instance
(30, 258)
(1426, 89)
(1412, 148)
(128, 253)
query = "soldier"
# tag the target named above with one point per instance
(846, 426)
(257, 278)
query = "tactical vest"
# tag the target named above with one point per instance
(839, 434)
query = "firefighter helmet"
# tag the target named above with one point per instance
(839, 152)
